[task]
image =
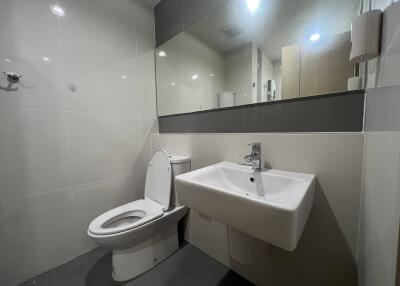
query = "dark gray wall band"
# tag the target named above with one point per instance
(339, 112)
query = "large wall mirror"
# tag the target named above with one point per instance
(248, 52)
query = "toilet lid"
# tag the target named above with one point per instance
(158, 179)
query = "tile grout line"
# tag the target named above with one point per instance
(67, 134)
(362, 191)
(46, 110)
(38, 194)
(27, 19)
(66, 188)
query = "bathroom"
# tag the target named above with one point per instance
(198, 142)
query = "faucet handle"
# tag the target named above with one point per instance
(255, 156)
(248, 158)
(255, 148)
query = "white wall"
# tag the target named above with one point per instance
(239, 74)
(379, 217)
(271, 70)
(66, 157)
(177, 91)
(327, 248)
(278, 78)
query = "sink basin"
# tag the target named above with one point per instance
(271, 205)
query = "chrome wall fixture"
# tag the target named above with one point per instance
(13, 77)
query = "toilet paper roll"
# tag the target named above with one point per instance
(366, 36)
(354, 83)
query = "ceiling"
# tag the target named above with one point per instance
(275, 24)
(151, 3)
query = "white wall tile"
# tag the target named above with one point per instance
(109, 23)
(104, 79)
(33, 148)
(145, 30)
(104, 146)
(93, 199)
(5, 278)
(379, 224)
(390, 52)
(22, 49)
(52, 138)
(147, 105)
(38, 234)
(38, 10)
(381, 109)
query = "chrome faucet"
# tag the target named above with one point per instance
(255, 156)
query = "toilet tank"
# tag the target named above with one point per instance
(180, 165)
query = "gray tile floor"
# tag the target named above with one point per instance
(188, 266)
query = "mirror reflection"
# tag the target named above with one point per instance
(253, 51)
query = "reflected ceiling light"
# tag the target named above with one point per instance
(211, 75)
(7, 60)
(46, 59)
(172, 83)
(315, 37)
(57, 10)
(124, 77)
(162, 54)
(195, 76)
(253, 5)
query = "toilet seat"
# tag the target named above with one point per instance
(126, 217)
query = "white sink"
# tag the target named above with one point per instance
(271, 205)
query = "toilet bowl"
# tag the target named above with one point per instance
(144, 232)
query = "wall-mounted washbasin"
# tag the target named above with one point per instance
(271, 205)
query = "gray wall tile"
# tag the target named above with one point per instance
(331, 113)
(168, 20)
(328, 113)
(204, 122)
(194, 10)
(173, 124)
(34, 152)
(173, 16)
(263, 118)
(38, 234)
(231, 120)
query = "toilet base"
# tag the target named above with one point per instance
(131, 262)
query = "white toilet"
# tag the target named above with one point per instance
(144, 232)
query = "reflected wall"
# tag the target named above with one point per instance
(279, 50)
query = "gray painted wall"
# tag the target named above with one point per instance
(327, 249)
(379, 217)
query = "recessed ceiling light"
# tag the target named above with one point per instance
(57, 10)
(46, 59)
(211, 75)
(7, 60)
(253, 5)
(124, 77)
(172, 83)
(195, 76)
(315, 37)
(162, 54)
